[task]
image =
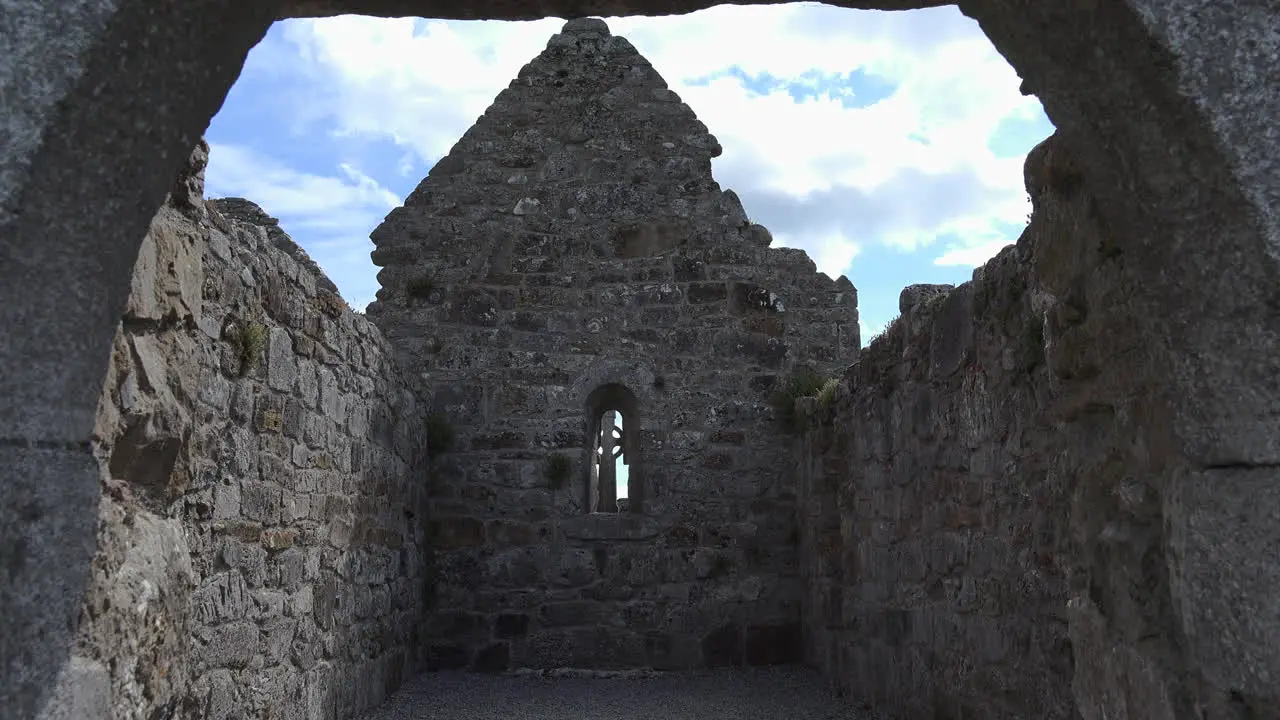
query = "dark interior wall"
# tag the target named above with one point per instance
(936, 507)
(701, 570)
(998, 503)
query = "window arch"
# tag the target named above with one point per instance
(615, 481)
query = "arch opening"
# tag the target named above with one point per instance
(614, 481)
(88, 123)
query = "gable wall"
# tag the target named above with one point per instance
(540, 261)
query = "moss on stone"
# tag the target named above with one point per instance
(557, 470)
(250, 338)
(804, 382)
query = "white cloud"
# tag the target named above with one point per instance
(971, 255)
(422, 83)
(283, 191)
(331, 216)
(835, 180)
(832, 253)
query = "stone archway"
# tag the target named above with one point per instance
(1168, 105)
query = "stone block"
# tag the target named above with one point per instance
(573, 612)
(226, 503)
(611, 526)
(458, 625)
(773, 644)
(515, 568)
(492, 658)
(232, 645)
(278, 635)
(505, 533)
(723, 646)
(82, 692)
(268, 604)
(261, 502)
(220, 598)
(576, 567)
(683, 536)
(220, 694)
(914, 295)
(47, 538)
(446, 656)
(215, 391)
(1225, 536)
(457, 532)
(282, 366)
(302, 601)
(503, 440)
(706, 292)
(511, 625)
(951, 343)
(279, 539)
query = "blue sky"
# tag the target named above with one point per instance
(887, 145)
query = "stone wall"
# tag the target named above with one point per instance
(574, 240)
(995, 511)
(937, 518)
(104, 99)
(263, 516)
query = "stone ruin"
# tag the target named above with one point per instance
(572, 257)
(261, 526)
(1048, 492)
(277, 484)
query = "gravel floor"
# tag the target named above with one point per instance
(740, 694)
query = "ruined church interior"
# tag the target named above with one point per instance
(601, 447)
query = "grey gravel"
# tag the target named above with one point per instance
(732, 694)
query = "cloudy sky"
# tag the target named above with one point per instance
(887, 145)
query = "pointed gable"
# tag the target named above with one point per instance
(571, 268)
(586, 187)
(587, 133)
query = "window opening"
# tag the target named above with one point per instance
(611, 460)
(615, 474)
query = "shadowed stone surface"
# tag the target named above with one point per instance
(764, 693)
(574, 240)
(1000, 505)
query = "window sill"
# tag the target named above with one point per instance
(611, 526)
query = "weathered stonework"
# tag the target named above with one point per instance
(936, 520)
(1170, 107)
(262, 526)
(995, 505)
(572, 246)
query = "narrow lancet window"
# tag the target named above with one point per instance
(611, 464)
(613, 416)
